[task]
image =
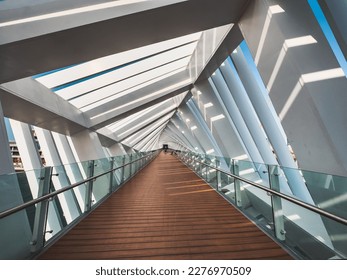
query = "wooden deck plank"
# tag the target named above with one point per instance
(165, 212)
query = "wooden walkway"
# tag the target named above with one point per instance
(165, 212)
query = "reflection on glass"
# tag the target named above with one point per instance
(62, 209)
(306, 234)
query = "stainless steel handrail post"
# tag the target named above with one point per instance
(112, 161)
(207, 174)
(123, 170)
(51, 195)
(40, 222)
(237, 184)
(89, 190)
(218, 175)
(130, 165)
(291, 199)
(277, 211)
(199, 168)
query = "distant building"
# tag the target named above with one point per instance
(16, 158)
(17, 161)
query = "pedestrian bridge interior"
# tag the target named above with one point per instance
(152, 129)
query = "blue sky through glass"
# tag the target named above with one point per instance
(52, 71)
(9, 130)
(319, 16)
(328, 33)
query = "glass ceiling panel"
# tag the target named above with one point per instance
(101, 102)
(117, 126)
(122, 108)
(70, 74)
(147, 121)
(150, 136)
(156, 133)
(123, 122)
(143, 133)
(161, 108)
(119, 89)
(105, 81)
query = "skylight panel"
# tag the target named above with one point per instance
(141, 99)
(144, 132)
(147, 139)
(122, 122)
(126, 121)
(111, 98)
(138, 136)
(120, 75)
(68, 75)
(147, 120)
(121, 89)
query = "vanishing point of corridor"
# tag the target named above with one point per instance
(165, 212)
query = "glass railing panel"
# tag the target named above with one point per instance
(328, 192)
(140, 161)
(255, 172)
(101, 186)
(199, 166)
(68, 200)
(62, 210)
(87, 168)
(225, 163)
(15, 235)
(16, 229)
(127, 168)
(33, 179)
(114, 178)
(293, 184)
(74, 174)
(118, 161)
(227, 187)
(284, 185)
(257, 204)
(192, 162)
(212, 177)
(101, 165)
(211, 171)
(136, 163)
(29, 183)
(56, 220)
(245, 167)
(28, 191)
(338, 235)
(195, 164)
(132, 165)
(313, 236)
(70, 208)
(307, 234)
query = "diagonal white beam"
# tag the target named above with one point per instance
(138, 100)
(36, 47)
(167, 112)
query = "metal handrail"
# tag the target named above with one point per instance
(284, 196)
(55, 193)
